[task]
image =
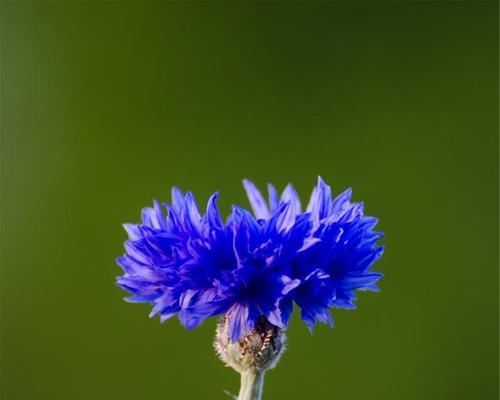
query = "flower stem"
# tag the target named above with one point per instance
(252, 382)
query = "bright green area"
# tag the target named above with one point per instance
(106, 105)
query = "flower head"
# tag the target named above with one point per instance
(251, 265)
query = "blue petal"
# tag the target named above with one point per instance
(273, 197)
(297, 234)
(341, 202)
(213, 215)
(133, 230)
(134, 250)
(166, 315)
(257, 201)
(319, 204)
(177, 199)
(288, 284)
(193, 316)
(238, 320)
(357, 281)
(241, 243)
(271, 225)
(285, 218)
(286, 308)
(161, 222)
(367, 262)
(164, 302)
(148, 217)
(244, 221)
(290, 196)
(308, 318)
(191, 215)
(142, 299)
(275, 318)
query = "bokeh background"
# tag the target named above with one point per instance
(106, 105)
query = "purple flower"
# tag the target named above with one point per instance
(251, 265)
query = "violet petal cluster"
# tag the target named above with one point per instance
(196, 265)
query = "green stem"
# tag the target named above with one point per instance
(252, 383)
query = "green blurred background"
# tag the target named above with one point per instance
(106, 105)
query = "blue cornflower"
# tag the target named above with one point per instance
(337, 254)
(251, 266)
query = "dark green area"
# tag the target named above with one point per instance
(107, 105)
